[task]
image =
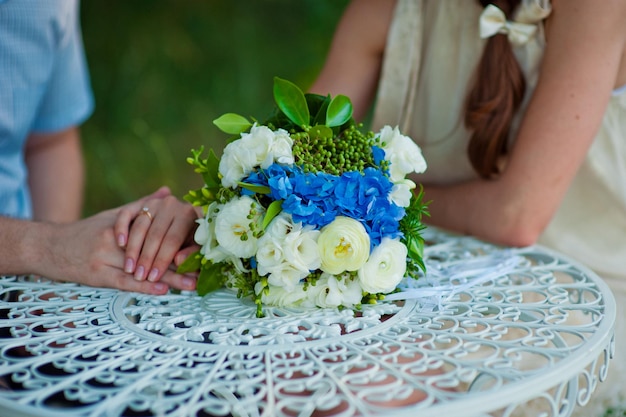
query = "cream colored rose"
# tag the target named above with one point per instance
(344, 245)
(385, 267)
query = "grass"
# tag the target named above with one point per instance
(162, 71)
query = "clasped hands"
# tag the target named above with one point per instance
(135, 247)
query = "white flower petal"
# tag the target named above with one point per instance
(233, 229)
(403, 154)
(401, 193)
(385, 267)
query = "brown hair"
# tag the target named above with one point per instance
(492, 101)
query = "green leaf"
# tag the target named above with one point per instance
(290, 100)
(208, 168)
(202, 196)
(415, 246)
(210, 279)
(317, 107)
(232, 123)
(255, 188)
(191, 264)
(273, 210)
(211, 176)
(412, 227)
(339, 111)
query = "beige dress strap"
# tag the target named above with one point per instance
(401, 66)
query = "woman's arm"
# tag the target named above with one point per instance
(586, 41)
(353, 64)
(56, 175)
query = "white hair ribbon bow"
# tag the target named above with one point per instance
(493, 21)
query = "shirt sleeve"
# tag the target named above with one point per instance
(68, 99)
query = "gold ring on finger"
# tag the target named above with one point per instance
(146, 211)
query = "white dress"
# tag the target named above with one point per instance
(432, 50)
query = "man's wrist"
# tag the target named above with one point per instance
(31, 247)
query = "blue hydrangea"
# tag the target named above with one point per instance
(378, 154)
(316, 199)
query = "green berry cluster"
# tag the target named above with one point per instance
(350, 150)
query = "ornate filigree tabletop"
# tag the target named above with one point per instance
(492, 330)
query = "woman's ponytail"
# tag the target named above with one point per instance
(493, 100)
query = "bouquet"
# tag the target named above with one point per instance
(304, 209)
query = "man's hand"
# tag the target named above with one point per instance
(85, 252)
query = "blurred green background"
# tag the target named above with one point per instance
(163, 70)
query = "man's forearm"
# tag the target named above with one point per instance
(23, 246)
(56, 175)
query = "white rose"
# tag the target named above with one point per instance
(201, 236)
(301, 250)
(285, 241)
(401, 193)
(385, 268)
(286, 276)
(269, 255)
(236, 163)
(403, 154)
(282, 147)
(317, 294)
(259, 142)
(205, 236)
(344, 245)
(281, 297)
(233, 229)
(282, 225)
(331, 291)
(215, 253)
(344, 290)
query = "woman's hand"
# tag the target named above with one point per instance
(153, 233)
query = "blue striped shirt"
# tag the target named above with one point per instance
(44, 85)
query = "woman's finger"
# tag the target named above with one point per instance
(172, 223)
(122, 225)
(179, 232)
(113, 277)
(159, 233)
(178, 281)
(155, 288)
(128, 212)
(136, 238)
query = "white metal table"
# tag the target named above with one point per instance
(539, 330)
